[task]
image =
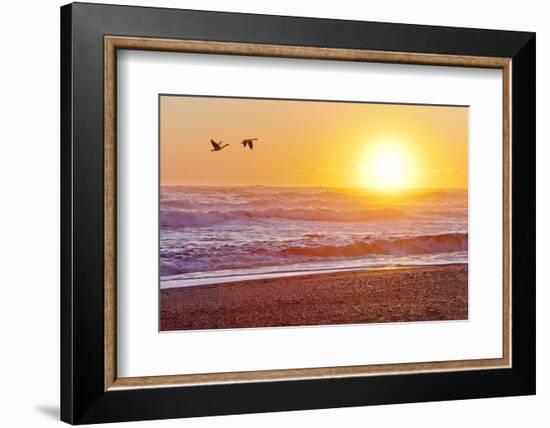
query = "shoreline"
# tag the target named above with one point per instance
(394, 294)
(274, 274)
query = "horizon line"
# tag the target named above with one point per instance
(315, 187)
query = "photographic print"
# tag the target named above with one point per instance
(282, 212)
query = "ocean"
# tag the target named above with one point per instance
(212, 235)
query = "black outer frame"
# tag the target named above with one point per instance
(83, 399)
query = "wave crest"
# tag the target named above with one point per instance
(191, 218)
(447, 242)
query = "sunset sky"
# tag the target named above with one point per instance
(380, 146)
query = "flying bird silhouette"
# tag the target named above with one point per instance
(217, 146)
(249, 142)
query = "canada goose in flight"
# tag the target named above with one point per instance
(217, 146)
(248, 142)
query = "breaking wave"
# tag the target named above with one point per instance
(442, 243)
(177, 218)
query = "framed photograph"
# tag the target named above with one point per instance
(265, 213)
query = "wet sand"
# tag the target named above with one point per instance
(353, 297)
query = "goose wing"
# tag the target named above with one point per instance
(215, 145)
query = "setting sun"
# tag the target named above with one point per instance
(387, 165)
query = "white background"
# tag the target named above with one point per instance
(143, 352)
(29, 223)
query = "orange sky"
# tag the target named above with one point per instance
(312, 143)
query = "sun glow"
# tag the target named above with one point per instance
(383, 147)
(387, 165)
